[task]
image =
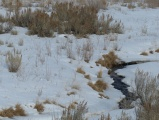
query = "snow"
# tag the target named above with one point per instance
(51, 77)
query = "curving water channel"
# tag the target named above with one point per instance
(119, 85)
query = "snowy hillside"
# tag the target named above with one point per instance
(48, 71)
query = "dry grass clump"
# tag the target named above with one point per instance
(77, 113)
(39, 107)
(103, 117)
(99, 86)
(47, 101)
(14, 32)
(87, 51)
(87, 76)
(157, 50)
(103, 96)
(13, 61)
(1, 42)
(109, 60)
(80, 70)
(144, 54)
(72, 105)
(20, 42)
(152, 3)
(71, 93)
(131, 6)
(10, 45)
(107, 25)
(148, 93)
(11, 112)
(100, 73)
(100, 4)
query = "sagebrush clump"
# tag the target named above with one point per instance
(67, 18)
(13, 61)
(11, 112)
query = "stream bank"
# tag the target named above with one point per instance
(123, 87)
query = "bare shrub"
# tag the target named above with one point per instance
(39, 107)
(20, 42)
(148, 93)
(13, 61)
(11, 112)
(14, 32)
(144, 30)
(103, 117)
(124, 116)
(131, 6)
(100, 4)
(106, 25)
(75, 114)
(10, 45)
(87, 51)
(5, 26)
(48, 48)
(69, 51)
(1, 42)
(152, 3)
(109, 60)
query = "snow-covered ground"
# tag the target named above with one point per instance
(51, 75)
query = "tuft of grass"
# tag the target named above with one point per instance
(80, 70)
(39, 107)
(20, 42)
(19, 111)
(87, 77)
(157, 50)
(103, 96)
(99, 86)
(131, 6)
(13, 61)
(109, 60)
(11, 112)
(144, 54)
(14, 32)
(100, 73)
(10, 45)
(71, 93)
(47, 101)
(1, 42)
(78, 113)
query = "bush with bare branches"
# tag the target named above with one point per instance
(75, 114)
(148, 93)
(13, 61)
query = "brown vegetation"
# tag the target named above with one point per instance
(109, 60)
(11, 112)
(99, 86)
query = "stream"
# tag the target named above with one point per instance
(119, 85)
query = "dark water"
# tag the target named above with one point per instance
(119, 85)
